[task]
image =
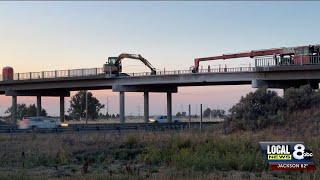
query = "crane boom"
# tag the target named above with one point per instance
(250, 54)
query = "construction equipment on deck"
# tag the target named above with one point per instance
(281, 56)
(114, 65)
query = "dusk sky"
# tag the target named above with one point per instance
(37, 36)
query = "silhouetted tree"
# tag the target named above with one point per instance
(301, 98)
(26, 111)
(77, 108)
(257, 109)
(206, 112)
(218, 113)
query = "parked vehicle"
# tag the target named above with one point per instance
(162, 119)
(39, 122)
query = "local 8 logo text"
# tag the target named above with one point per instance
(284, 155)
(299, 152)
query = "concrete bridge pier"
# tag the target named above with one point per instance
(39, 108)
(169, 106)
(39, 94)
(62, 109)
(146, 90)
(146, 106)
(122, 107)
(14, 110)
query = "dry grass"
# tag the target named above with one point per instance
(155, 155)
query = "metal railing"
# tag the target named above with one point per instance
(284, 61)
(99, 71)
(56, 74)
(110, 127)
(259, 62)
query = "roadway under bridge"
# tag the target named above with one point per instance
(60, 83)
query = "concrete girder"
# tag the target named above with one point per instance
(53, 93)
(120, 88)
(258, 83)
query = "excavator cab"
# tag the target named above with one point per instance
(112, 60)
(112, 67)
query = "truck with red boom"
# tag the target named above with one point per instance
(280, 56)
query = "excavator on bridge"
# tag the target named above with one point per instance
(114, 65)
(281, 56)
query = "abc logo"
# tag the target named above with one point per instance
(299, 152)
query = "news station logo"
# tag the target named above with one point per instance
(288, 156)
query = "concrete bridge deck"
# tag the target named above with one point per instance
(221, 76)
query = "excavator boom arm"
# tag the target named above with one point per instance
(138, 57)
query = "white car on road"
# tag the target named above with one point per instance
(39, 122)
(162, 119)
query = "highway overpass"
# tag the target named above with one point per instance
(60, 83)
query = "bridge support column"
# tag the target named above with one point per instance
(122, 104)
(39, 106)
(169, 106)
(61, 108)
(146, 107)
(14, 110)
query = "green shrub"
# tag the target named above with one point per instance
(131, 141)
(218, 154)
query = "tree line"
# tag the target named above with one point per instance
(264, 107)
